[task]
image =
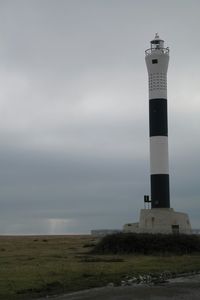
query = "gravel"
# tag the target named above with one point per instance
(184, 287)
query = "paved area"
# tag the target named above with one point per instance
(176, 289)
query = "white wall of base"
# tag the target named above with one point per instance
(160, 220)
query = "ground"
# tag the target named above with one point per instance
(37, 266)
(177, 289)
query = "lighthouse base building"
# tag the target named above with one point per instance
(160, 220)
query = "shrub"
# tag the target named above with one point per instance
(126, 243)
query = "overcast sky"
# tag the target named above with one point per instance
(74, 141)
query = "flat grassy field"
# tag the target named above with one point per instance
(35, 266)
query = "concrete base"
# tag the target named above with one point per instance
(160, 220)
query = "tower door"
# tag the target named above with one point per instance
(175, 229)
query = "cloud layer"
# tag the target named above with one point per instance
(74, 150)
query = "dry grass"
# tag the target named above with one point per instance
(39, 265)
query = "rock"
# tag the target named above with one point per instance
(110, 284)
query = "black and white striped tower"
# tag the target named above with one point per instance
(157, 58)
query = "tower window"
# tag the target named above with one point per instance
(154, 61)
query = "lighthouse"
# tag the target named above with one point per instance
(160, 217)
(157, 59)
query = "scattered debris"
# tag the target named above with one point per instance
(152, 278)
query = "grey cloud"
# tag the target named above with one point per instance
(74, 151)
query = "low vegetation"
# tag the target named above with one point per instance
(148, 244)
(36, 266)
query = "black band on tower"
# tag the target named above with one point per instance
(160, 191)
(158, 117)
